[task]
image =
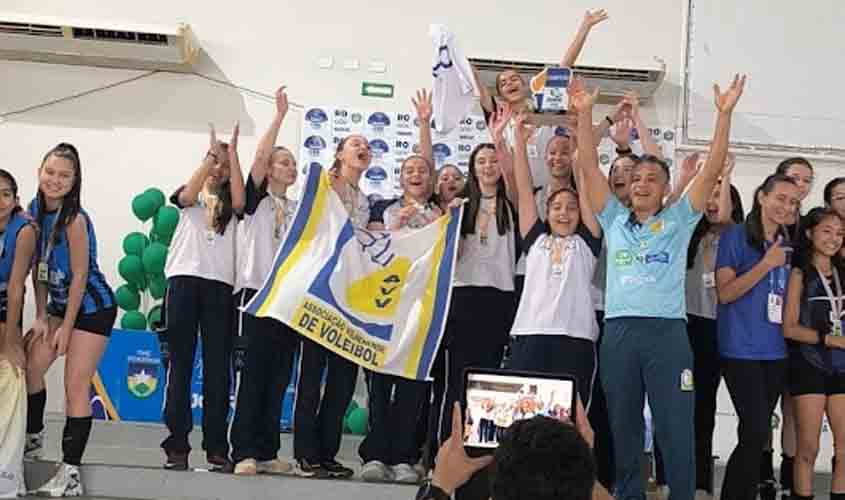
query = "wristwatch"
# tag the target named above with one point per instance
(429, 491)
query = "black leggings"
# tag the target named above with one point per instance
(754, 387)
(706, 374)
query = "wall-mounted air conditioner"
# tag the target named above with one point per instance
(613, 81)
(52, 40)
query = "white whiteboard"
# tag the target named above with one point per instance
(793, 54)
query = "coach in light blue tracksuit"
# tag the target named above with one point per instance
(645, 349)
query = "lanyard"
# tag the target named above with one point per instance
(836, 303)
(47, 244)
(280, 205)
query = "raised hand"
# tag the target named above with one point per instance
(215, 149)
(690, 166)
(281, 101)
(622, 132)
(632, 102)
(499, 120)
(725, 102)
(583, 102)
(594, 17)
(422, 103)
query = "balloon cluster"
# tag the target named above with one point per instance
(355, 420)
(143, 265)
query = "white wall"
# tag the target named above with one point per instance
(152, 132)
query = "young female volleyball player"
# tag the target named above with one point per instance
(801, 171)
(482, 305)
(555, 327)
(450, 183)
(390, 449)
(79, 317)
(751, 276)
(813, 319)
(723, 209)
(200, 274)
(17, 246)
(319, 420)
(270, 345)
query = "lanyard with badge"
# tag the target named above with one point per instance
(47, 251)
(836, 302)
(210, 202)
(280, 206)
(560, 250)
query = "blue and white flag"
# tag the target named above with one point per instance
(376, 298)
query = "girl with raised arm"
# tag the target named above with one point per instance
(200, 272)
(269, 344)
(555, 328)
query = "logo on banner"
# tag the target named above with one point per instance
(376, 174)
(341, 117)
(441, 152)
(316, 117)
(143, 374)
(356, 118)
(379, 148)
(378, 121)
(315, 145)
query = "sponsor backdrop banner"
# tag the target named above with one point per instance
(395, 135)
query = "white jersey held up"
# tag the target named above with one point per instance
(454, 84)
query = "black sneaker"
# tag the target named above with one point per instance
(176, 460)
(337, 470)
(220, 463)
(304, 468)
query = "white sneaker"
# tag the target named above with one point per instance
(404, 473)
(22, 491)
(703, 495)
(274, 466)
(66, 483)
(34, 446)
(246, 467)
(375, 472)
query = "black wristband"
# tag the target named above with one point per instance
(609, 120)
(624, 151)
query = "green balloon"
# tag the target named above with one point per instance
(154, 316)
(131, 268)
(166, 220)
(158, 286)
(155, 256)
(133, 320)
(135, 243)
(128, 298)
(144, 207)
(358, 421)
(156, 195)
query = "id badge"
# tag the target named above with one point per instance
(209, 236)
(532, 150)
(835, 325)
(709, 280)
(557, 270)
(775, 308)
(43, 272)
